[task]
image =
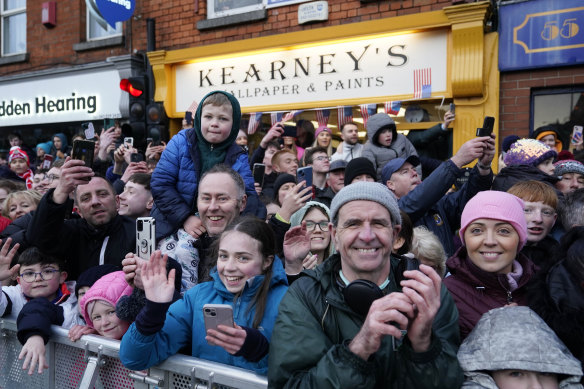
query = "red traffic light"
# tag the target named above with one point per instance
(133, 86)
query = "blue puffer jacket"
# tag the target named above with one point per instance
(176, 177)
(184, 323)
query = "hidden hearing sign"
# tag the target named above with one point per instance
(363, 67)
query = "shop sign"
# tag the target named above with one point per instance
(74, 97)
(541, 33)
(368, 67)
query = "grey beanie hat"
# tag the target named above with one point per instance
(370, 191)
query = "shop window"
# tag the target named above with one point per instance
(98, 29)
(13, 27)
(221, 8)
(561, 107)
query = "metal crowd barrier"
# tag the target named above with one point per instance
(92, 362)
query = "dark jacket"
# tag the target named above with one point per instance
(476, 291)
(558, 297)
(432, 143)
(324, 196)
(429, 205)
(542, 253)
(75, 240)
(309, 347)
(510, 175)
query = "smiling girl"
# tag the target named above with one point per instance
(247, 278)
(488, 271)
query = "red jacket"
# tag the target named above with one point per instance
(476, 291)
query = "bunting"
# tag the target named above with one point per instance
(254, 121)
(392, 107)
(276, 117)
(344, 115)
(422, 83)
(367, 110)
(322, 117)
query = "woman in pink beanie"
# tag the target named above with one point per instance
(488, 271)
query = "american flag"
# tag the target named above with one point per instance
(254, 121)
(344, 115)
(322, 116)
(422, 83)
(392, 107)
(367, 110)
(276, 117)
(192, 108)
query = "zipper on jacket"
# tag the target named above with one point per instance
(509, 297)
(211, 147)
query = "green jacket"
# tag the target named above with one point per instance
(309, 347)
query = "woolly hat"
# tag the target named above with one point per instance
(110, 288)
(321, 129)
(358, 166)
(376, 123)
(297, 216)
(91, 275)
(492, 204)
(282, 179)
(46, 146)
(568, 166)
(528, 152)
(396, 164)
(548, 130)
(370, 191)
(17, 153)
(508, 141)
(338, 165)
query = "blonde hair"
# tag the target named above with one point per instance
(426, 244)
(31, 195)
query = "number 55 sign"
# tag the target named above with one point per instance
(533, 35)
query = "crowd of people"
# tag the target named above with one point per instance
(384, 267)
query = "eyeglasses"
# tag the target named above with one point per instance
(311, 226)
(322, 158)
(52, 177)
(46, 275)
(549, 213)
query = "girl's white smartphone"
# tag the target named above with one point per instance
(215, 314)
(577, 134)
(145, 237)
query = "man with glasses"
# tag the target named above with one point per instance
(41, 298)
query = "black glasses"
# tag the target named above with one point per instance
(46, 274)
(311, 226)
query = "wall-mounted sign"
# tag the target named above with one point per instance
(310, 12)
(65, 98)
(365, 67)
(541, 33)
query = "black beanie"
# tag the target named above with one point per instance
(282, 179)
(358, 166)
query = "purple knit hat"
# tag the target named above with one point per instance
(528, 152)
(492, 204)
(321, 129)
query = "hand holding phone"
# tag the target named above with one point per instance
(129, 142)
(84, 150)
(259, 170)
(304, 174)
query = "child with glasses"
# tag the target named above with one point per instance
(42, 298)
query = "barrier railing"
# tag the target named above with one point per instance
(92, 362)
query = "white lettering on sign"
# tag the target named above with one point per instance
(358, 68)
(75, 96)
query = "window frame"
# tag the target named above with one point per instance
(211, 14)
(88, 17)
(4, 14)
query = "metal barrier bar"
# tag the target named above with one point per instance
(93, 362)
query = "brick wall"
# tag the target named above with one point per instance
(515, 95)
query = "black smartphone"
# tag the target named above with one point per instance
(452, 108)
(108, 123)
(304, 174)
(487, 127)
(83, 150)
(259, 170)
(136, 157)
(189, 117)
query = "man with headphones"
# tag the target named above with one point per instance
(357, 321)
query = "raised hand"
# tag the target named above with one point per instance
(157, 287)
(6, 257)
(73, 173)
(294, 200)
(296, 248)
